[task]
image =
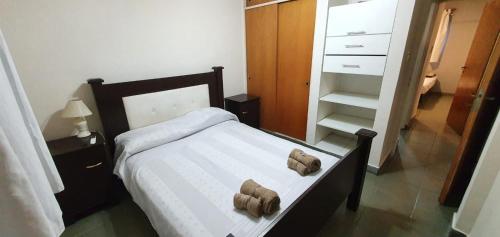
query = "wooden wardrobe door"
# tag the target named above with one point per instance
(295, 43)
(479, 53)
(261, 39)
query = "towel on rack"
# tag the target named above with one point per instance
(441, 39)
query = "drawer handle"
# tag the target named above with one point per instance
(356, 33)
(354, 46)
(93, 166)
(244, 112)
(350, 66)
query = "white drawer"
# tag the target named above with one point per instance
(360, 45)
(372, 17)
(365, 65)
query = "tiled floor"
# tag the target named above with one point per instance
(400, 202)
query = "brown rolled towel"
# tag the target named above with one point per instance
(312, 163)
(297, 166)
(249, 203)
(270, 199)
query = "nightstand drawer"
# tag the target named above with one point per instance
(248, 113)
(85, 170)
(246, 107)
(86, 177)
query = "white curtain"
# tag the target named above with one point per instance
(28, 176)
(441, 38)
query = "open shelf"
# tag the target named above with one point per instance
(346, 123)
(354, 99)
(337, 144)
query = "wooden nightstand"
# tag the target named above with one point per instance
(246, 107)
(85, 170)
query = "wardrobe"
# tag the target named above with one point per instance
(359, 49)
(279, 42)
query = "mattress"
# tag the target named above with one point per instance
(186, 186)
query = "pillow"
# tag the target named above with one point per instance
(141, 139)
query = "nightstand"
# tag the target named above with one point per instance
(85, 170)
(246, 107)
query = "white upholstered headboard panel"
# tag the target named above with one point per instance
(146, 109)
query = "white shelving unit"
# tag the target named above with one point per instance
(357, 56)
(354, 99)
(346, 123)
(337, 144)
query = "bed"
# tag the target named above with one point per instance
(182, 158)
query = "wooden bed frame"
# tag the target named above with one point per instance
(310, 211)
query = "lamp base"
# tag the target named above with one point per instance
(83, 129)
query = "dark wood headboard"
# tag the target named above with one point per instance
(109, 101)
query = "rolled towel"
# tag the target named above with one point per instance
(250, 204)
(270, 199)
(297, 166)
(312, 163)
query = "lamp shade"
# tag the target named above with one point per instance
(75, 109)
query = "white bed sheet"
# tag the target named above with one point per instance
(186, 187)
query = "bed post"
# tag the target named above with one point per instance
(220, 89)
(365, 138)
(96, 85)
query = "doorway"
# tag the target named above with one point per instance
(454, 26)
(459, 46)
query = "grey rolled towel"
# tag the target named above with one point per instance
(270, 199)
(250, 204)
(297, 166)
(312, 163)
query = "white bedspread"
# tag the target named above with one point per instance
(186, 185)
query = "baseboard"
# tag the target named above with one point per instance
(454, 231)
(373, 169)
(378, 170)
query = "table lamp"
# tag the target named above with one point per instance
(78, 110)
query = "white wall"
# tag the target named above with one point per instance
(463, 27)
(482, 187)
(58, 44)
(487, 221)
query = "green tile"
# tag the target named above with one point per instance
(422, 137)
(342, 223)
(377, 222)
(124, 219)
(102, 231)
(412, 155)
(431, 218)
